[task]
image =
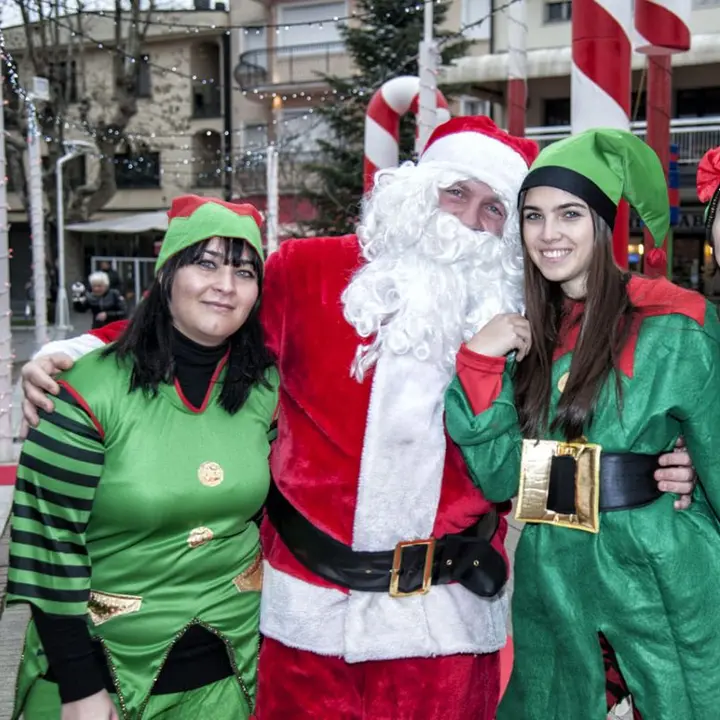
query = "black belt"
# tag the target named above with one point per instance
(411, 568)
(626, 481)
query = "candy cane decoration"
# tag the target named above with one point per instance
(382, 123)
(600, 80)
(661, 30)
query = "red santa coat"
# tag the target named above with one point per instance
(316, 463)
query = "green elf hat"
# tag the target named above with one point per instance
(192, 219)
(603, 166)
(708, 184)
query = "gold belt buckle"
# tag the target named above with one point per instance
(535, 466)
(427, 570)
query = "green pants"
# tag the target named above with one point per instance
(650, 582)
(222, 700)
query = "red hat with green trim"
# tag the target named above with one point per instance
(192, 219)
(708, 184)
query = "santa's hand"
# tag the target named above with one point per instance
(502, 335)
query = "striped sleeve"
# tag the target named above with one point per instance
(58, 473)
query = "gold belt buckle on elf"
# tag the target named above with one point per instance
(537, 457)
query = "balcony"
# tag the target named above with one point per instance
(250, 175)
(693, 136)
(291, 65)
(206, 101)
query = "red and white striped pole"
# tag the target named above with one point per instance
(382, 123)
(662, 27)
(600, 81)
(517, 68)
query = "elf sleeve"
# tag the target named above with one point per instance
(698, 389)
(490, 440)
(49, 568)
(272, 309)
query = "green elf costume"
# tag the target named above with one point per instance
(134, 514)
(603, 552)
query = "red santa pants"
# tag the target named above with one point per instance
(296, 684)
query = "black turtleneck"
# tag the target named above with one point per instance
(195, 366)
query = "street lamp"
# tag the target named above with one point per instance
(73, 148)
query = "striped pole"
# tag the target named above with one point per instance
(600, 82)
(661, 30)
(382, 123)
(517, 68)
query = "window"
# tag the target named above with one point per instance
(256, 137)
(319, 34)
(638, 107)
(556, 111)
(476, 13)
(697, 102)
(474, 106)
(558, 11)
(300, 131)
(74, 172)
(144, 81)
(64, 77)
(137, 171)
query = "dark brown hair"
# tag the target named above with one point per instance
(604, 328)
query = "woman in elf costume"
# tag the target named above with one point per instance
(604, 374)
(132, 537)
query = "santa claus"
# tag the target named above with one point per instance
(383, 592)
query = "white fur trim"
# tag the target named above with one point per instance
(316, 619)
(398, 495)
(74, 347)
(481, 157)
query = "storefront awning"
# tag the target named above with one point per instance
(127, 224)
(556, 62)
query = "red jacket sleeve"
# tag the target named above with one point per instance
(480, 377)
(111, 332)
(272, 307)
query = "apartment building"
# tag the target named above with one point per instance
(178, 140)
(695, 108)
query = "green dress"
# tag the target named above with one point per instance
(650, 579)
(135, 512)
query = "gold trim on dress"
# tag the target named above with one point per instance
(199, 536)
(104, 606)
(537, 458)
(210, 474)
(251, 579)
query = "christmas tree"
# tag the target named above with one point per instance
(383, 45)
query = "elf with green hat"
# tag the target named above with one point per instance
(132, 534)
(570, 405)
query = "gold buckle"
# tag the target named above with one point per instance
(427, 570)
(537, 457)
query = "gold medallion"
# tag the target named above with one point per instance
(210, 474)
(562, 382)
(199, 536)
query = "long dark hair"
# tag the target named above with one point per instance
(604, 328)
(147, 340)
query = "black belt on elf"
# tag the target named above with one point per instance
(411, 568)
(570, 483)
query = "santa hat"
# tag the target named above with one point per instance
(708, 184)
(193, 219)
(477, 147)
(601, 167)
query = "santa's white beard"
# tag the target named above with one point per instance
(430, 282)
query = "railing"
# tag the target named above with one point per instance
(250, 175)
(693, 136)
(293, 64)
(207, 101)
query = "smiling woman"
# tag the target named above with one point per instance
(133, 536)
(609, 370)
